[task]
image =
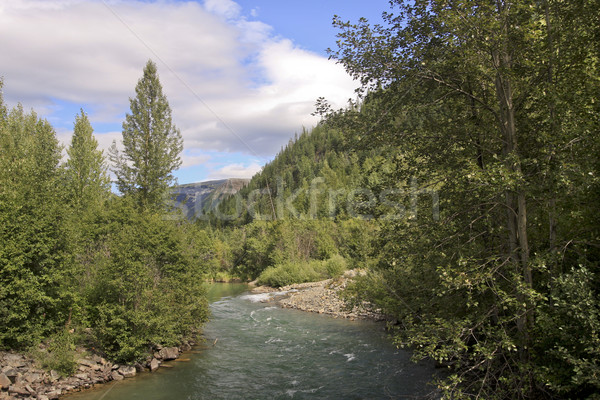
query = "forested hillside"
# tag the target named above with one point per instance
(465, 179)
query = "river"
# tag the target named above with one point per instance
(255, 350)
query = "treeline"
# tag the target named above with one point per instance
(472, 166)
(80, 265)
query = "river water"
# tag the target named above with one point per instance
(255, 350)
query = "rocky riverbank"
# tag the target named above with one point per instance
(323, 298)
(22, 378)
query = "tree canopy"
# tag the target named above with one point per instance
(152, 144)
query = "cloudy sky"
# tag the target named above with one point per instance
(241, 76)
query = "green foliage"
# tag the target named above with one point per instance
(291, 272)
(87, 182)
(568, 336)
(149, 284)
(31, 232)
(73, 254)
(59, 353)
(487, 106)
(152, 144)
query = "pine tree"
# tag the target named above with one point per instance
(86, 171)
(151, 143)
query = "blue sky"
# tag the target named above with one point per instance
(241, 76)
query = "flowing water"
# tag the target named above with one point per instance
(255, 350)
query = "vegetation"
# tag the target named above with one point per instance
(469, 172)
(493, 107)
(79, 265)
(465, 181)
(151, 142)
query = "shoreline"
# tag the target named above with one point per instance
(322, 298)
(22, 378)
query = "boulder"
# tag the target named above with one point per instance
(11, 374)
(154, 364)
(169, 353)
(86, 362)
(4, 381)
(116, 376)
(54, 394)
(82, 376)
(127, 371)
(19, 390)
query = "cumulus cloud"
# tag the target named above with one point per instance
(235, 171)
(233, 86)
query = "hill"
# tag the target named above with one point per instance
(195, 199)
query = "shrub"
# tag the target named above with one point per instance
(299, 272)
(335, 266)
(59, 355)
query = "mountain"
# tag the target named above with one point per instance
(195, 199)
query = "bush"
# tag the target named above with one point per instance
(59, 354)
(335, 266)
(300, 272)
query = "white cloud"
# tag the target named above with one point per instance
(225, 8)
(232, 84)
(235, 171)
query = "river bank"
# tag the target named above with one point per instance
(321, 297)
(22, 378)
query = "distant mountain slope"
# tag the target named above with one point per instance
(196, 199)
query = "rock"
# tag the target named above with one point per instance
(54, 394)
(98, 359)
(186, 347)
(154, 364)
(42, 397)
(127, 371)
(18, 389)
(54, 376)
(116, 376)
(11, 374)
(86, 362)
(33, 377)
(82, 376)
(4, 381)
(169, 353)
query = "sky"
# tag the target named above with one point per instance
(241, 77)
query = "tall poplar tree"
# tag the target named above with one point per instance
(151, 144)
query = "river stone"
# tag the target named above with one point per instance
(12, 374)
(4, 381)
(116, 376)
(54, 375)
(18, 389)
(86, 362)
(82, 376)
(127, 371)
(54, 394)
(33, 377)
(169, 353)
(154, 364)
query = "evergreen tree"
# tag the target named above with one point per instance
(86, 171)
(151, 142)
